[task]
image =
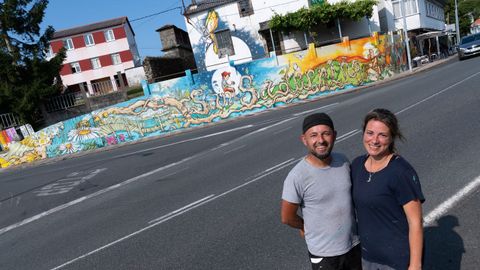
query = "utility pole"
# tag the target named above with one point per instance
(457, 28)
(407, 45)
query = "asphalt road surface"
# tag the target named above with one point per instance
(209, 198)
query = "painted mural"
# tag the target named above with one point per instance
(218, 95)
(246, 44)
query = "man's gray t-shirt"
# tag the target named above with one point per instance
(324, 196)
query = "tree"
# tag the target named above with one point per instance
(467, 10)
(25, 75)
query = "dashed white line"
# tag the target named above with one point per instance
(348, 135)
(174, 213)
(183, 141)
(282, 130)
(233, 150)
(316, 109)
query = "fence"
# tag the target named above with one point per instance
(64, 102)
(101, 88)
(8, 120)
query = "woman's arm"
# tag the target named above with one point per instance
(413, 211)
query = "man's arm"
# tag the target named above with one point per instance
(290, 217)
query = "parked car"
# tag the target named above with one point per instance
(469, 46)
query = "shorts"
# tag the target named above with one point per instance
(367, 265)
(352, 260)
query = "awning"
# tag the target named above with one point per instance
(431, 34)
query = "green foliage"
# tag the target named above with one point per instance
(467, 9)
(305, 19)
(134, 92)
(25, 76)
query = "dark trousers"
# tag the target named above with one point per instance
(352, 260)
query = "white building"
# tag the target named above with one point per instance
(237, 30)
(221, 31)
(96, 54)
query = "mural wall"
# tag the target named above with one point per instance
(245, 38)
(217, 95)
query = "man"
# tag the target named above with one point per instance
(320, 186)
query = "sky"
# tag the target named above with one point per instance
(63, 14)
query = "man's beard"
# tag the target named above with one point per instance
(322, 156)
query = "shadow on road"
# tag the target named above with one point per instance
(443, 246)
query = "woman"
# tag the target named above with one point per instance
(387, 197)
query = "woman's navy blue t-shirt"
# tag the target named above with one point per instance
(382, 224)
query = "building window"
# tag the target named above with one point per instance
(75, 67)
(89, 40)
(49, 52)
(68, 44)
(410, 7)
(434, 11)
(96, 63)
(224, 43)
(116, 59)
(109, 36)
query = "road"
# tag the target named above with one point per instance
(209, 198)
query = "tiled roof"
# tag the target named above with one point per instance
(476, 23)
(91, 27)
(205, 5)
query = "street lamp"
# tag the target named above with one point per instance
(402, 3)
(457, 28)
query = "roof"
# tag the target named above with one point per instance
(202, 5)
(91, 27)
(166, 26)
(431, 34)
(476, 23)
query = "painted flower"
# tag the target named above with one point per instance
(111, 140)
(83, 133)
(69, 148)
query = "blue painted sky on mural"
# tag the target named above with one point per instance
(62, 14)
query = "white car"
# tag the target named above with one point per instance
(469, 46)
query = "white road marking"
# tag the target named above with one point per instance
(316, 109)
(182, 211)
(282, 130)
(447, 205)
(74, 202)
(175, 172)
(183, 141)
(66, 184)
(276, 166)
(438, 93)
(343, 137)
(347, 135)
(126, 182)
(233, 150)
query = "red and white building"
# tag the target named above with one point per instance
(96, 53)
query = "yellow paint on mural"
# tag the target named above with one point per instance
(354, 49)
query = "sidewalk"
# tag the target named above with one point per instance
(415, 70)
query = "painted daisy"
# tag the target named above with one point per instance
(69, 148)
(83, 132)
